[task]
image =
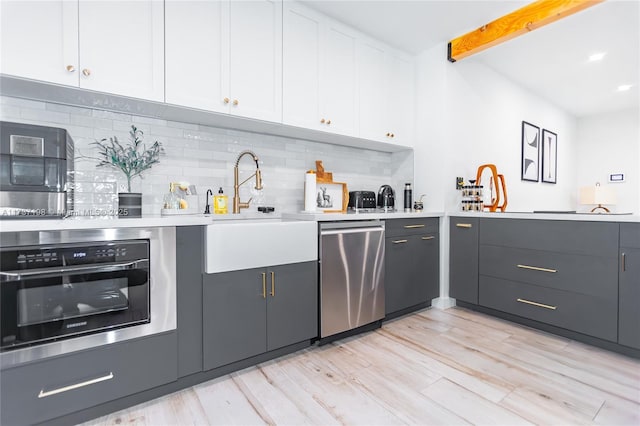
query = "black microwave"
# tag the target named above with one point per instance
(52, 292)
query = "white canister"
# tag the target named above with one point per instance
(310, 191)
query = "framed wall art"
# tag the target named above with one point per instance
(530, 152)
(332, 197)
(549, 156)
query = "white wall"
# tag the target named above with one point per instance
(610, 143)
(470, 115)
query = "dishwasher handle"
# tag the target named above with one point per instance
(352, 230)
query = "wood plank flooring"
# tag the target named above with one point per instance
(433, 367)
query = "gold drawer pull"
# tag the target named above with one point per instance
(399, 241)
(540, 305)
(273, 283)
(464, 225)
(535, 268)
(429, 237)
(413, 226)
(44, 394)
(264, 285)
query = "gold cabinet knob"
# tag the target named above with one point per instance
(388, 135)
(71, 68)
(235, 102)
(328, 121)
(226, 100)
(86, 72)
(322, 121)
(392, 135)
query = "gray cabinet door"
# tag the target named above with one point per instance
(629, 304)
(463, 258)
(411, 271)
(292, 304)
(189, 262)
(43, 390)
(234, 316)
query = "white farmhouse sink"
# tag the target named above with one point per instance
(233, 245)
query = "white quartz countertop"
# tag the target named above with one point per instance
(20, 225)
(586, 217)
(146, 221)
(328, 217)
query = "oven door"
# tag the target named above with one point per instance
(51, 303)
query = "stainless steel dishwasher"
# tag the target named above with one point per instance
(351, 275)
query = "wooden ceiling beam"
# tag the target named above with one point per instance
(526, 19)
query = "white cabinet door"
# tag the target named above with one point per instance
(196, 54)
(401, 101)
(373, 91)
(302, 41)
(40, 40)
(255, 52)
(339, 79)
(122, 47)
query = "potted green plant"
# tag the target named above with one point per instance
(132, 159)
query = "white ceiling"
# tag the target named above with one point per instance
(551, 61)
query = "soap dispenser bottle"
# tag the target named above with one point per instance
(220, 203)
(171, 200)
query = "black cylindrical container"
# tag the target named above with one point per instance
(408, 197)
(129, 204)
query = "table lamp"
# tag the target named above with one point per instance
(597, 195)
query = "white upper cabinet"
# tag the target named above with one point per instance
(386, 96)
(197, 52)
(373, 91)
(401, 101)
(339, 79)
(122, 47)
(39, 40)
(319, 72)
(114, 47)
(225, 56)
(301, 67)
(255, 40)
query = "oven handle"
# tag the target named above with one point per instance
(71, 270)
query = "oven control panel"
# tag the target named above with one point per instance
(20, 258)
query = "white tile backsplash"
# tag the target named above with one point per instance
(204, 156)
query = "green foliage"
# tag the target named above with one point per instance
(132, 159)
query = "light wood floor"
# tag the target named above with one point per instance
(434, 367)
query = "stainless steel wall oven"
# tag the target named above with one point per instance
(67, 290)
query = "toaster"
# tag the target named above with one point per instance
(362, 200)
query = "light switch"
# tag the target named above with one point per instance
(616, 177)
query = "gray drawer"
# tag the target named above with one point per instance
(590, 238)
(589, 315)
(419, 225)
(630, 235)
(29, 392)
(590, 275)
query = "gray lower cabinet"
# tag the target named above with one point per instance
(51, 388)
(249, 312)
(629, 286)
(412, 264)
(189, 261)
(562, 273)
(463, 258)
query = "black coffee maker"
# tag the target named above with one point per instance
(386, 198)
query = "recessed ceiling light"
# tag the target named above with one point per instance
(597, 56)
(624, 87)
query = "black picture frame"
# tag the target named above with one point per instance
(530, 160)
(549, 156)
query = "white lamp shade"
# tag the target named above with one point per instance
(597, 195)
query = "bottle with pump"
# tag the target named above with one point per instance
(408, 197)
(171, 200)
(220, 203)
